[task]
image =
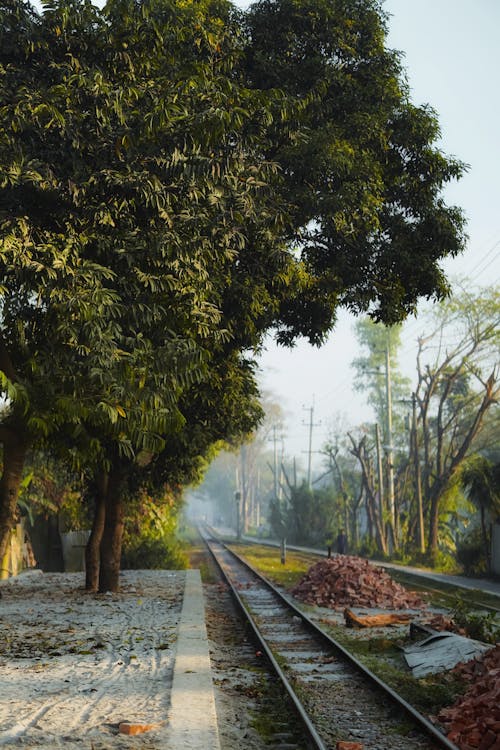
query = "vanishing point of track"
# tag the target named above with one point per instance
(334, 695)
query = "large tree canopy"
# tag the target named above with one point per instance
(176, 180)
(128, 171)
(361, 175)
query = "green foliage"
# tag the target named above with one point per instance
(178, 179)
(49, 488)
(150, 531)
(480, 479)
(471, 552)
(360, 168)
(458, 385)
(277, 519)
(154, 554)
(307, 516)
(483, 626)
(370, 374)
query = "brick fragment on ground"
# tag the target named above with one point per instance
(473, 721)
(374, 621)
(442, 622)
(128, 727)
(352, 581)
(342, 745)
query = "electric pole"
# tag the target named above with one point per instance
(275, 462)
(389, 447)
(379, 472)
(312, 424)
(418, 482)
(244, 489)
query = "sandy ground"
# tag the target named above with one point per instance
(74, 665)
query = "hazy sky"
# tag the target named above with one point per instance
(452, 59)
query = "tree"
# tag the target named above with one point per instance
(371, 491)
(377, 375)
(361, 175)
(164, 206)
(457, 386)
(124, 184)
(371, 374)
(480, 478)
(248, 465)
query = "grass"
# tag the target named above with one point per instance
(275, 701)
(437, 593)
(383, 657)
(444, 594)
(267, 560)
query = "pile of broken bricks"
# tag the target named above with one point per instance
(349, 581)
(473, 721)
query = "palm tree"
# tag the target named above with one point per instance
(481, 481)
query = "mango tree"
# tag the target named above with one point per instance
(178, 180)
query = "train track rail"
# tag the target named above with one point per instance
(335, 696)
(449, 590)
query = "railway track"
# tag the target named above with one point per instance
(336, 697)
(418, 582)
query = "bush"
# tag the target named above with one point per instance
(479, 625)
(470, 553)
(154, 554)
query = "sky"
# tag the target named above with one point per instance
(452, 62)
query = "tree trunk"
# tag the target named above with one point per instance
(111, 542)
(486, 540)
(432, 544)
(14, 454)
(92, 550)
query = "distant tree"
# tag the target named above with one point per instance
(380, 343)
(349, 490)
(363, 450)
(457, 386)
(377, 375)
(246, 465)
(481, 481)
(306, 515)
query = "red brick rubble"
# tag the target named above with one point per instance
(473, 721)
(346, 580)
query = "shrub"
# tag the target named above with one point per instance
(470, 553)
(154, 554)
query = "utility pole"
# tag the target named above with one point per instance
(418, 481)
(379, 473)
(244, 489)
(281, 477)
(312, 424)
(389, 447)
(275, 462)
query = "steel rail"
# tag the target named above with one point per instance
(314, 737)
(418, 579)
(415, 715)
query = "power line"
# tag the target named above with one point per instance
(485, 256)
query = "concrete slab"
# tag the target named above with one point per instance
(192, 719)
